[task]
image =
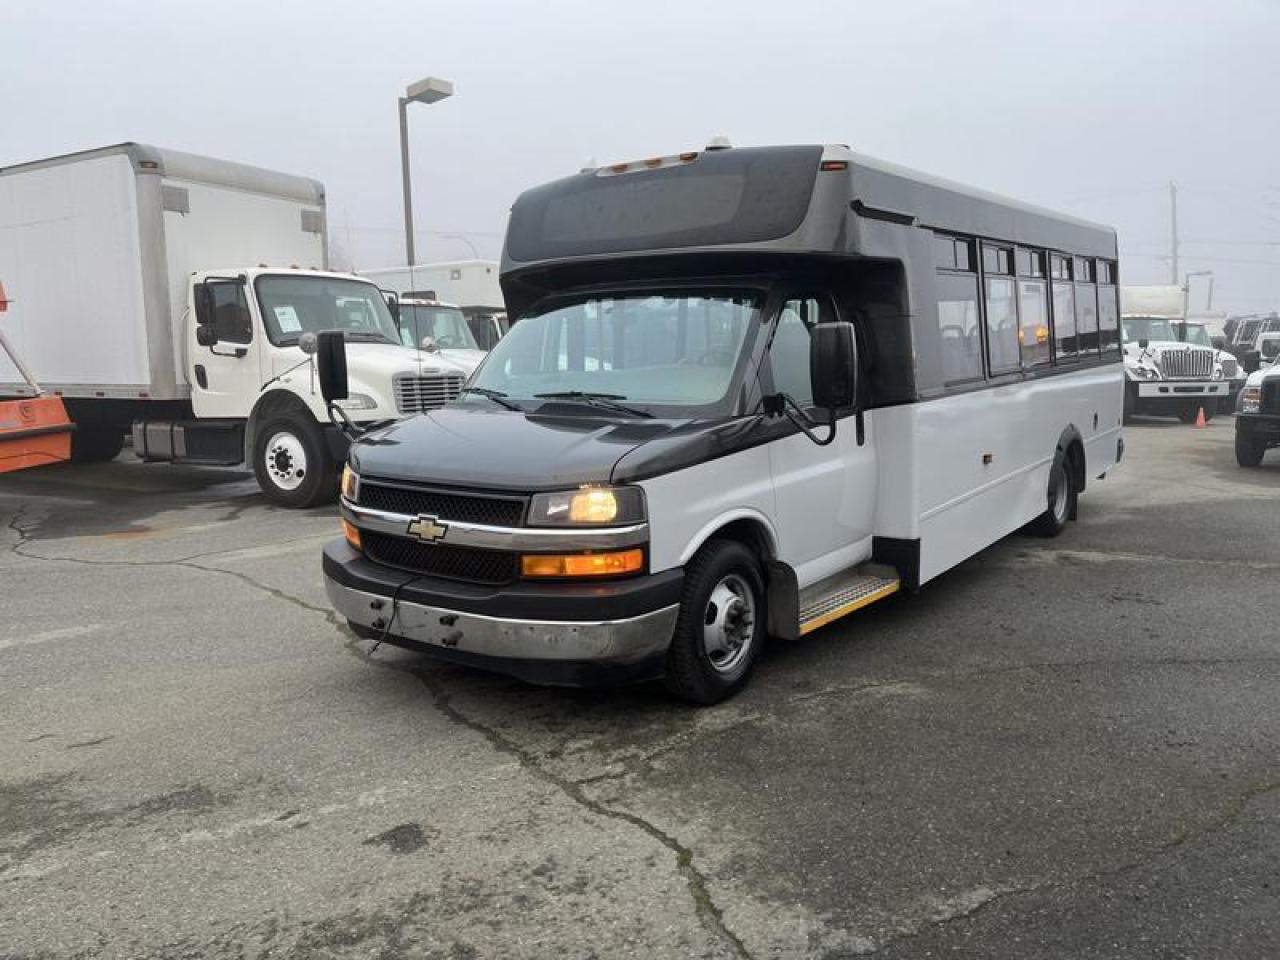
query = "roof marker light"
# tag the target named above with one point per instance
(833, 165)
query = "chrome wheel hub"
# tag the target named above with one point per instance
(286, 461)
(728, 623)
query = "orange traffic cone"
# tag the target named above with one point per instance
(1200, 418)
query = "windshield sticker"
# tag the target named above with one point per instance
(287, 317)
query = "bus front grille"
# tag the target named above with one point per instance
(468, 564)
(415, 393)
(1186, 363)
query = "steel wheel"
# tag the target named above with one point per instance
(286, 460)
(728, 623)
(1059, 500)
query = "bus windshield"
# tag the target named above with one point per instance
(665, 349)
(1146, 328)
(445, 325)
(296, 304)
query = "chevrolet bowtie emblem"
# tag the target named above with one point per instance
(426, 528)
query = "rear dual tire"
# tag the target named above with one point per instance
(96, 444)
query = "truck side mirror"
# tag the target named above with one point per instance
(204, 307)
(1251, 362)
(393, 304)
(833, 365)
(1143, 343)
(206, 334)
(331, 362)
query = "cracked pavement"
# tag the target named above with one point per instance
(1063, 748)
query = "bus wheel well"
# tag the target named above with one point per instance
(750, 533)
(1071, 448)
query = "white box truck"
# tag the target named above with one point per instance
(176, 296)
(471, 284)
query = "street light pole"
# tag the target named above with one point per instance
(404, 175)
(428, 90)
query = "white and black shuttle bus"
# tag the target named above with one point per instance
(749, 392)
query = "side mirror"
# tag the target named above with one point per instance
(1251, 362)
(429, 345)
(331, 361)
(204, 307)
(1144, 343)
(206, 335)
(393, 304)
(833, 365)
(308, 343)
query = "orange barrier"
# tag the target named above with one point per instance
(33, 432)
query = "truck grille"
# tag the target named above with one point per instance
(1183, 363)
(1270, 396)
(414, 393)
(443, 504)
(493, 567)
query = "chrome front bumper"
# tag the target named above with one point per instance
(619, 642)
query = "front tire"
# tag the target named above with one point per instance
(292, 462)
(1249, 449)
(1062, 497)
(721, 625)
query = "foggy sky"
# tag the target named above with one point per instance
(1088, 107)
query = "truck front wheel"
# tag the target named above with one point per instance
(292, 463)
(1249, 449)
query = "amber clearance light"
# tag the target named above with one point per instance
(582, 564)
(352, 534)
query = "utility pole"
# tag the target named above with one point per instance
(1173, 224)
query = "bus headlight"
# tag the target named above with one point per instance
(350, 483)
(1250, 399)
(587, 506)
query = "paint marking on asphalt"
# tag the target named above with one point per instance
(49, 636)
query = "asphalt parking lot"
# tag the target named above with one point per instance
(1064, 748)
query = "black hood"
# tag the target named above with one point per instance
(503, 450)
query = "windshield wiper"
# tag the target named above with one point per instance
(605, 401)
(497, 396)
(368, 336)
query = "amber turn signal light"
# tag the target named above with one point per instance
(582, 564)
(352, 534)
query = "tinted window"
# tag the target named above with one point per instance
(789, 353)
(1108, 318)
(231, 318)
(1060, 268)
(1064, 322)
(996, 260)
(1033, 300)
(1031, 263)
(1087, 318)
(1002, 325)
(961, 342)
(725, 196)
(1084, 269)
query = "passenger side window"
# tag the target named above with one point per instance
(958, 326)
(231, 318)
(1034, 332)
(1065, 345)
(1087, 317)
(1002, 309)
(789, 352)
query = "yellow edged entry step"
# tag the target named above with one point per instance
(844, 593)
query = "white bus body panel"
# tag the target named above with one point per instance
(966, 505)
(96, 251)
(919, 475)
(467, 283)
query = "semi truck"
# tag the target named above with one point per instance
(176, 298)
(471, 284)
(1171, 366)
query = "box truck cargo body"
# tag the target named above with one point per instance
(471, 284)
(178, 298)
(97, 249)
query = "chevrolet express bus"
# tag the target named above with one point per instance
(748, 392)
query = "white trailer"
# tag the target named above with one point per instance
(169, 294)
(471, 284)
